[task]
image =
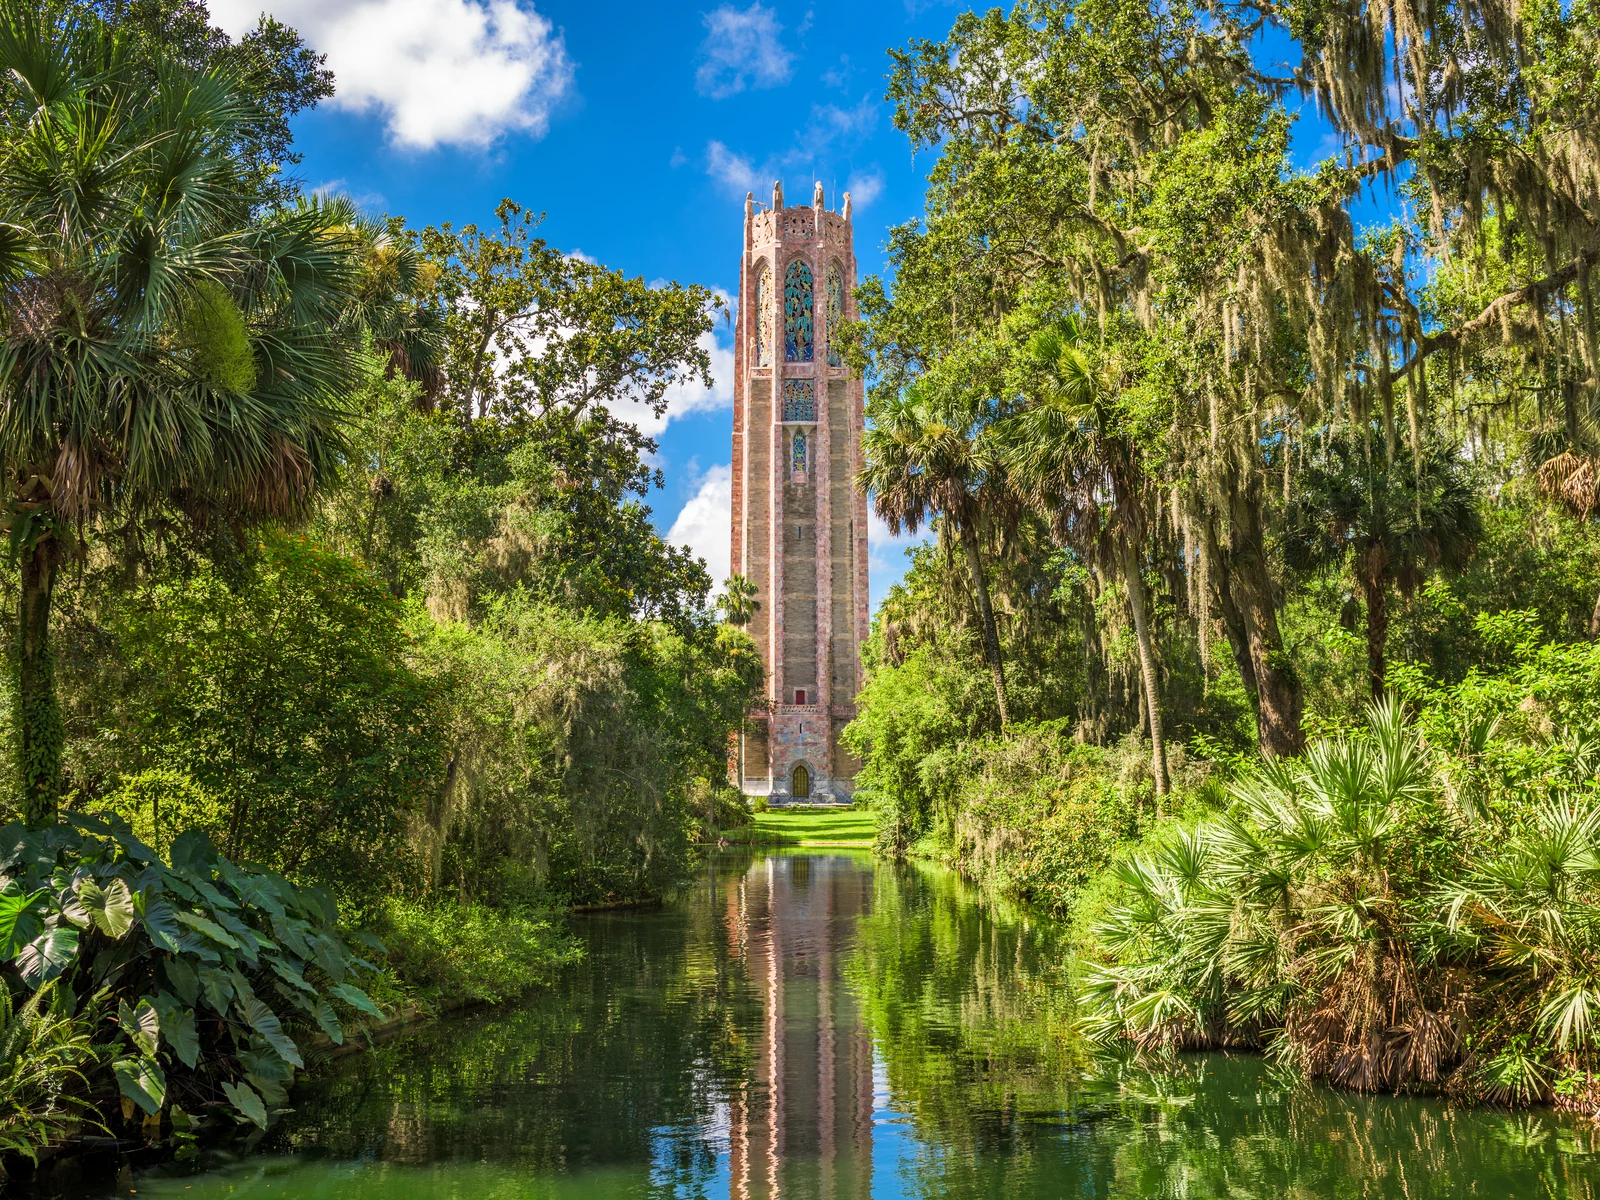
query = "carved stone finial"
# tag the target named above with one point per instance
(845, 211)
(749, 205)
(777, 195)
(816, 196)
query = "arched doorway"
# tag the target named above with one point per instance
(800, 783)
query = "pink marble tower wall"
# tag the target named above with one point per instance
(801, 537)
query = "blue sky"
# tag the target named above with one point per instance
(637, 128)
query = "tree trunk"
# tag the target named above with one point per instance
(40, 731)
(1232, 618)
(1374, 572)
(1139, 602)
(991, 634)
(1277, 686)
(1594, 619)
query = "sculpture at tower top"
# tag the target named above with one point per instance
(777, 195)
(749, 204)
(816, 196)
(845, 210)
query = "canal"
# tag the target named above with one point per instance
(817, 1025)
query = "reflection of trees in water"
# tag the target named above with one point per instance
(969, 1010)
(632, 1061)
(623, 1062)
(1218, 1126)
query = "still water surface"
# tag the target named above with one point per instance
(809, 1025)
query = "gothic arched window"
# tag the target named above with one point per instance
(797, 309)
(797, 461)
(764, 317)
(835, 313)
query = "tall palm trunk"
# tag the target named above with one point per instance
(1139, 601)
(40, 731)
(991, 633)
(1374, 570)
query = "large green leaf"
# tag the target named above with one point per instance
(110, 910)
(210, 929)
(20, 919)
(160, 920)
(265, 1022)
(243, 1097)
(180, 1028)
(142, 1081)
(142, 1024)
(328, 1022)
(356, 998)
(49, 954)
(289, 974)
(193, 851)
(217, 987)
(183, 979)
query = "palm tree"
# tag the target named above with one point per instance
(739, 607)
(1070, 452)
(739, 603)
(392, 304)
(1571, 477)
(1388, 522)
(929, 452)
(159, 344)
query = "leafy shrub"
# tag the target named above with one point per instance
(1370, 925)
(210, 975)
(279, 686)
(45, 1050)
(449, 949)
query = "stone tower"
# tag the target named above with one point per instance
(799, 524)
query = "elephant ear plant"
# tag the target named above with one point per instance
(207, 978)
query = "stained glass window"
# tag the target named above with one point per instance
(835, 312)
(798, 464)
(764, 317)
(799, 400)
(797, 330)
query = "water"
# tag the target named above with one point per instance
(809, 1026)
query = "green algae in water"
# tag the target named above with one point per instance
(808, 1025)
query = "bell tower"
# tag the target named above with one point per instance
(799, 524)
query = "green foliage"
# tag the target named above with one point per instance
(454, 950)
(580, 749)
(270, 703)
(209, 975)
(46, 1048)
(214, 330)
(1372, 918)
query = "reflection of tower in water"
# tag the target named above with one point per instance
(802, 1124)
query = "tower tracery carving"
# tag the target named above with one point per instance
(797, 312)
(835, 287)
(764, 317)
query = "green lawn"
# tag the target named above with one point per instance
(800, 827)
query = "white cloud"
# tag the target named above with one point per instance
(685, 397)
(741, 51)
(830, 123)
(733, 171)
(705, 522)
(865, 188)
(439, 72)
(830, 131)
